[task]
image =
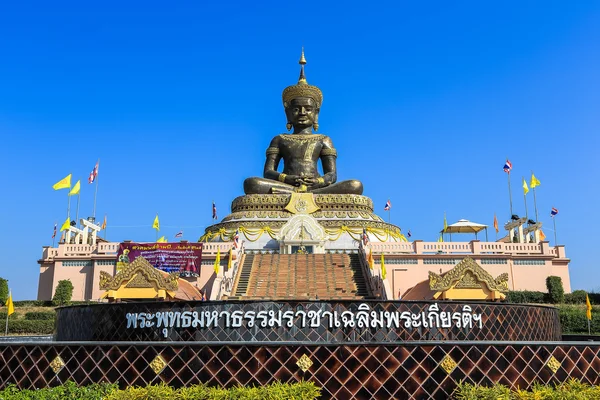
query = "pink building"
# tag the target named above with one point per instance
(407, 264)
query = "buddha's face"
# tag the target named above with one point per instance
(302, 112)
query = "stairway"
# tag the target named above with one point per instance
(301, 277)
(244, 277)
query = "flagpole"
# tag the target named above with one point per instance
(554, 220)
(54, 235)
(510, 194)
(6, 330)
(534, 201)
(525, 198)
(535, 206)
(78, 198)
(69, 205)
(96, 192)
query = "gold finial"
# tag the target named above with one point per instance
(302, 59)
(302, 88)
(302, 62)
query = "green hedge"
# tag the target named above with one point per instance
(571, 390)
(40, 315)
(22, 326)
(47, 303)
(573, 319)
(33, 303)
(69, 390)
(526, 296)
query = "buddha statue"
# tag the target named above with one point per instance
(301, 150)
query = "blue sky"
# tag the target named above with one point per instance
(179, 101)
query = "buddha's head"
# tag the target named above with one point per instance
(302, 112)
(302, 102)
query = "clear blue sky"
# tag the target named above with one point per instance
(179, 100)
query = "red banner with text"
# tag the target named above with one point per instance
(184, 258)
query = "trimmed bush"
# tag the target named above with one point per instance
(577, 297)
(3, 291)
(33, 303)
(63, 293)
(40, 315)
(572, 389)
(556, 292)
(70, 390)
(573, 319)
(23, 326)
(526, 296)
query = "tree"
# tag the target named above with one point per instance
(63, 293)
(3, 291)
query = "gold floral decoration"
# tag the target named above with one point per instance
(553, 364)
(57, 364)
(158, 364)
(448, 364)
(141, 266)
(304, 363)
(466, 273)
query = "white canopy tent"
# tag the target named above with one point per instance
(465, 226)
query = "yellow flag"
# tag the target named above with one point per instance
(441, 238)
(66, 225)
(103, 223)
(64, 183)
(218, 261)
(156, 224)
(11, 306)
(534, 181)
(75, 189)
(525, 188)
(161, 239)
(371, 260)
(542, 236)
(588, 307)
(383, 271)
(229, 260)
(445, 223)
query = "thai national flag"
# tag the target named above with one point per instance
(388, 206)
(54, 234)
(179, 234)
(236, 239)
(365, 237)
(93, 174)
(553, 212)
(507, 166)
(214, 211)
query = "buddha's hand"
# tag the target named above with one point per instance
(294, 180)
(313, 183)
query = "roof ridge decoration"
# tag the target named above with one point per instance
(466, 273)
(130, 274)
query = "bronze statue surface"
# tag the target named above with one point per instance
(301, 150)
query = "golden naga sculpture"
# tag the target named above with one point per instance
(301, 150)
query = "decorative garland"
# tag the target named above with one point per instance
(253, 234)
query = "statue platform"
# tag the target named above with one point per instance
(259, 219)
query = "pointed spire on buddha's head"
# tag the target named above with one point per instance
(302, 62)
(302, 88)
